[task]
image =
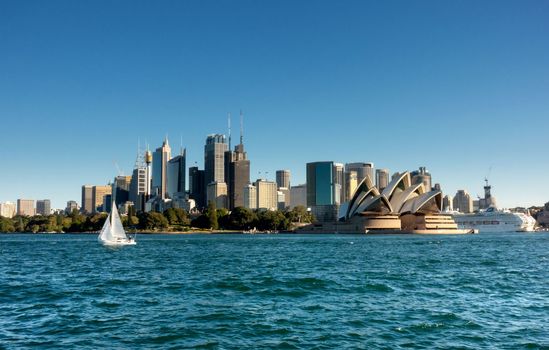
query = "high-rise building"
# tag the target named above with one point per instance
(43, 207)
(283, 178)
(197, 186)
(7, 209)
(217, 193)
(237, 172)
(161, 157)
(87, 199)
(322, 190)
(382, 178)
(339, 181)
(138, 187)
(286, 198)
(214, 158)
(362, 170)
(98, 197)
(71, 206)
(281, 200)
(121, 188)
(177, 175)
(298, 196)
(422, 176)
(107, 203)
(463, 202)
(250, 197)
(350, 184)
(447, 203)
(267, 196)
(25, 207)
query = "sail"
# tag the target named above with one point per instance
(117, 230)
(106, 234)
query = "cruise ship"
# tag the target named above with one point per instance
(492, 219)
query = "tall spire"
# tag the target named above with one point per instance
(166, 140)
(229, 122)
(241, 127)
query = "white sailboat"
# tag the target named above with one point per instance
(113, 232)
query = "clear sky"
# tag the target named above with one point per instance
(456, 86)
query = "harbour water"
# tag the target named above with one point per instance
(276, 291)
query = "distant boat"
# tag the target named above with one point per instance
(113, 233)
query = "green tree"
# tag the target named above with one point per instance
(272, 220)
(177, 217)
(241, 219)
(211, 213)
(201, 221)
(299, 214)
(152, 221)
(6, 225)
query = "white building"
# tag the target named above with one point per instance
(7, 209)
(250, 196)
(267, 196)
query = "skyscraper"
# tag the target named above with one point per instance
(214, 160)
(87, 199)
(197, 186)
(177, 175)
(25, 207)
(382, 178)
(98, 197)
(43, 207)
(283, 178)
(362, 170)
(160, 170)
(322, 190)
(237, 172)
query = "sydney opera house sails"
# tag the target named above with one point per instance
(402, 207)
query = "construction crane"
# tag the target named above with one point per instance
(120, 172)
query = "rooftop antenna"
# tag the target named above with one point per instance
(241, 127)
(181, 146)
(137, 159)
(229, 122)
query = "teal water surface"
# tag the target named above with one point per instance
(276, 291)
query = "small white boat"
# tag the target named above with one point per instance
(113, 233)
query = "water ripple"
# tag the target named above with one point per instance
(280, 292)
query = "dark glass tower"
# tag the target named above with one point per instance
(197, 186)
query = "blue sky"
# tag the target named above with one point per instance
(458, 87)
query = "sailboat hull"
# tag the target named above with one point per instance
(117, 242)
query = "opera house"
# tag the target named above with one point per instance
(402, 207)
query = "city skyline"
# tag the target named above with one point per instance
(352, 85)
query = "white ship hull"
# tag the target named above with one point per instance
(495, 221)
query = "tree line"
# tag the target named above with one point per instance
(173, 219)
